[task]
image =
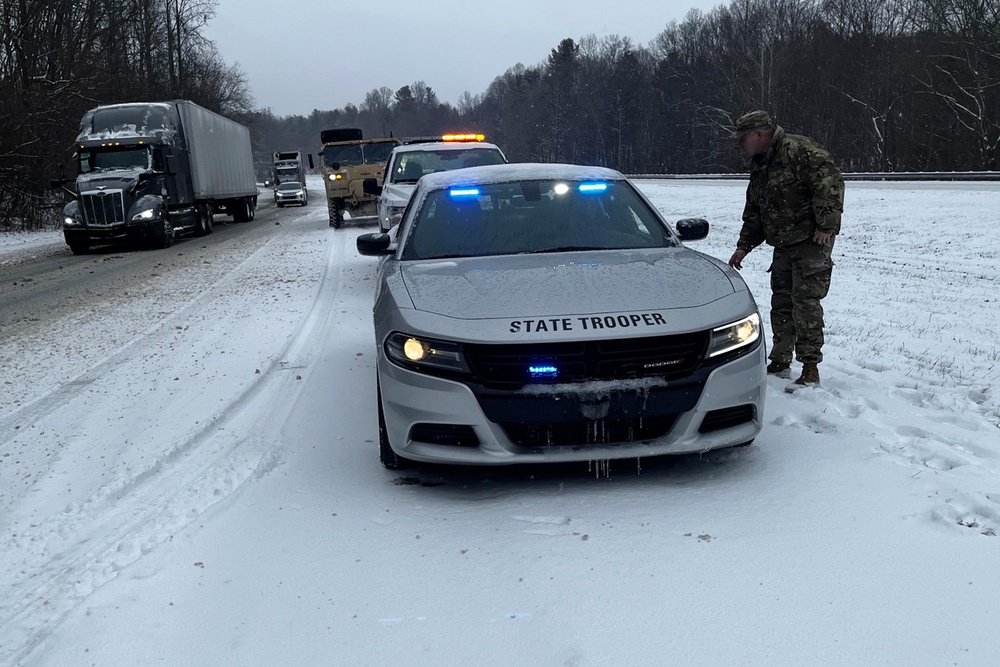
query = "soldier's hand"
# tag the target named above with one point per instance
(736, 261)
(822, 238)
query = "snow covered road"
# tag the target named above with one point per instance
(189, 473)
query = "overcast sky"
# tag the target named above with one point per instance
(301, 55)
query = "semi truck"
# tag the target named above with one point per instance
(148, 172)
(289, 166)
(348, 159)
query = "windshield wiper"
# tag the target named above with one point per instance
(565, 248)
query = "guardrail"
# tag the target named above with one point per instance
(851, 176)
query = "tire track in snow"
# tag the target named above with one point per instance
(126, 519)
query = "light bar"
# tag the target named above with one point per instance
(593, 187)
(464, 192)
(463, 137)
(543, 371)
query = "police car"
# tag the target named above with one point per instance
(408, 162)
(544, 313)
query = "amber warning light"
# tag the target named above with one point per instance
(463, 137)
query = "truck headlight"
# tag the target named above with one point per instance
(735, 335)
(70, 222)
(148, 214)
(419, 351)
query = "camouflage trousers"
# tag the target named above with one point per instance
(800, 278)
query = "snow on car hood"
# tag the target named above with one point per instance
(398, 194)
(543, 285)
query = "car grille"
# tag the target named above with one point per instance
(104, 207)
(589, 432)
(508, 365)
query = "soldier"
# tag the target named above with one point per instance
(794, 203)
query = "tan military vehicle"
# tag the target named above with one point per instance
(348, 159)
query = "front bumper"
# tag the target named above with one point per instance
(720, 407)
(120, 233)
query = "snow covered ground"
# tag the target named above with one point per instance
(189, 475)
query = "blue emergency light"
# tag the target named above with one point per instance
(459, 193)
(592, 187)
(543, 371)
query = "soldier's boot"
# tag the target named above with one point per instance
(809, 378)
(779, 369)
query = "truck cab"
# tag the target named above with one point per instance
(348, 159)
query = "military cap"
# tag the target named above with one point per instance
(751, 121)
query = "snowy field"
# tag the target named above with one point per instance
(189, 475)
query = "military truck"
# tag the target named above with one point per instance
(150, 171)
(348, 159)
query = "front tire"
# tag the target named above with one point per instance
(79, 248)
(336, 213)
(163, 234)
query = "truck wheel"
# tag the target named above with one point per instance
(390, 459)
(336, 213)
(241, 210)
(204, 220)
(252, 207)
(163, 234)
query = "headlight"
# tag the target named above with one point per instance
(148, 214)
(70, 222)
(336, 177)
(396, 210)
(419, 351)
(735, 335)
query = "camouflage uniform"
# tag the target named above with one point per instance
(795, 190)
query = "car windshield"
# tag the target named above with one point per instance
(409, 166)
(134, 158)
(290, 186)
(532, 217)
(345, 154)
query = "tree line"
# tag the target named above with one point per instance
(885, 85)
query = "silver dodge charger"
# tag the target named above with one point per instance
(531, 313)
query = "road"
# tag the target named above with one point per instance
(189, 474)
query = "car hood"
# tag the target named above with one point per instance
(398, 194)
(547, 285)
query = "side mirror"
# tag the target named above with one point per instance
(171, 165)
(311, 161)
(61, 181)
(370, 186)
(374, 245)
(692, 229)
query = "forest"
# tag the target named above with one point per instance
(885, 85)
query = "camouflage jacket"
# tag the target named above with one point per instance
(794, 190)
